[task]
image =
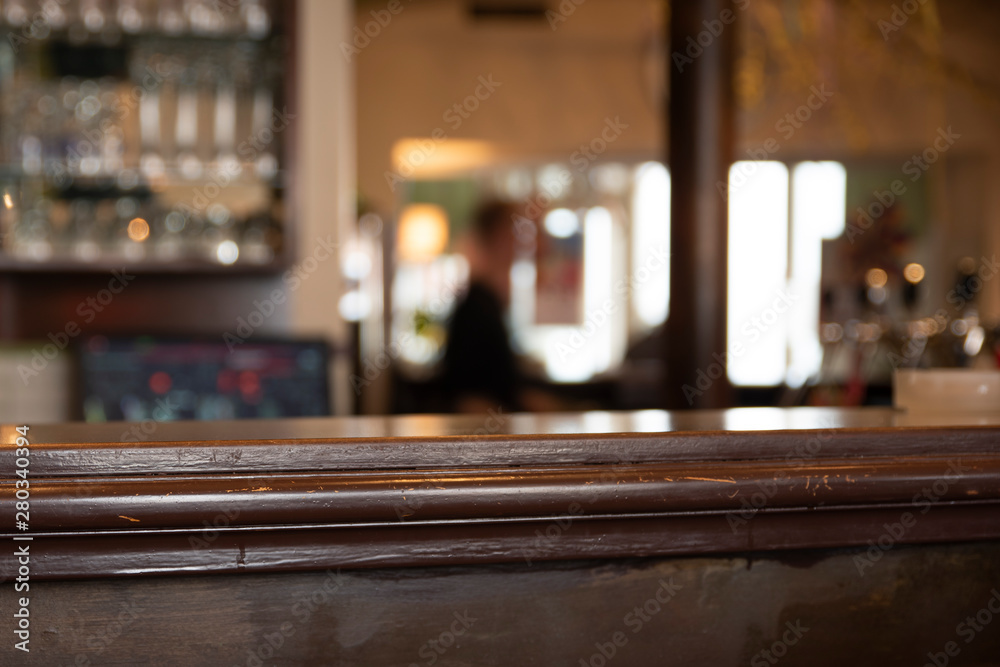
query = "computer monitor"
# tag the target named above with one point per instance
(163, 379)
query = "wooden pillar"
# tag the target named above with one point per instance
(702, 35)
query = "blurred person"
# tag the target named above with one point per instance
(480, 370)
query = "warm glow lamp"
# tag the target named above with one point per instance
(422, 233)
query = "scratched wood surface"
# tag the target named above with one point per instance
(867, 525)
(710, 611)
(392, 492)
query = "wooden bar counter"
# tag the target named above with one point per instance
(752, 536)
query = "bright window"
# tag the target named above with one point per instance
(651, 231)
(819, 197)
(775, 267)
(758, 273)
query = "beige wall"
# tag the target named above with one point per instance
(558, 86)
(324, 192)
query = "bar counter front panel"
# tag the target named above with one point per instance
(813, 536)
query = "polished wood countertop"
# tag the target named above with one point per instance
(160, 498)
(577, 423)
(414, 441)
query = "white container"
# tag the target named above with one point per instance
(946, 390)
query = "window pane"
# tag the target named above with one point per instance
(758, 302)
(651, 231)
(819, 196)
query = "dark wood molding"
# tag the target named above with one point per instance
(76, 459)
(110, 508)
(485, 494)
(89, 554)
